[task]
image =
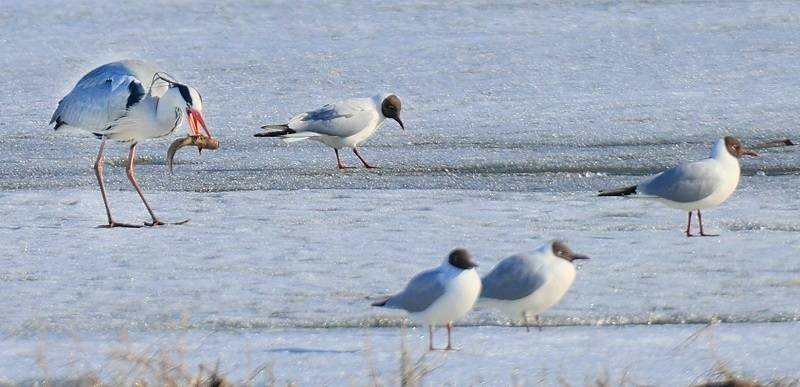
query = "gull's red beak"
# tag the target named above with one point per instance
(748, 152)
(196, 122)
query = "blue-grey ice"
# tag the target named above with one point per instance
(517, 113)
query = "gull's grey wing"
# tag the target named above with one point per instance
(341, 119)
(325, 113)
(513, 278)
(104, 95)
(422, 291)
(683, 184)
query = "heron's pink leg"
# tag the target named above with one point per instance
(355, 150)
(98, 171)
(339, 162)
(132, 177)
(702, 233)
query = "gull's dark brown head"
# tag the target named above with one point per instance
(461, 259)
(561, 250)
(390, 107)
(736, 149)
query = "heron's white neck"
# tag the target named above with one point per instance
(154, 116)
(167, 114)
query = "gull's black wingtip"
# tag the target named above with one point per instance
(381, 302)
(625, 191)
(275, 131)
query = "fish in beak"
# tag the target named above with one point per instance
(195, 137)
(201, 142)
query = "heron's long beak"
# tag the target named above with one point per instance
(196, 122)
(399, 121)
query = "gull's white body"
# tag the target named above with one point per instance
(557, 275)
(462, 290)
(710, 182)
(344, 124)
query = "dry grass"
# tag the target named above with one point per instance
(169, 368)
(722, 376)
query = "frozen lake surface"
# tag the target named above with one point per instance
(255, 267)
(517, 113)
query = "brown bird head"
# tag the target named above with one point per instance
(461, 259)
(390, 107)
(561, 250)
(736, 149)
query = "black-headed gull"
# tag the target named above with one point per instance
(344, 124)
(129, 101)
(441, 295)
(695, 186)
(530, 284)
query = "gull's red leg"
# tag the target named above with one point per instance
(702, 233)
(338, 161)
(355, 150)
(527, 323)
(689, 225)
(449, 334)
(430, 337)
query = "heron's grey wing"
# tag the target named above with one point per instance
(422, 291)
(683, 184)
(341, 119)
(100, 97)
(513, 278)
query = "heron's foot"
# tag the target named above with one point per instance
(154, 223)
(113, 224)
(157, 222)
